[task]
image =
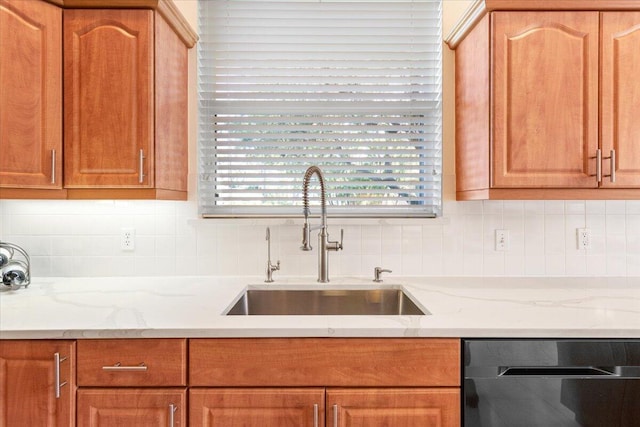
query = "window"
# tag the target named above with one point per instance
(351, 86)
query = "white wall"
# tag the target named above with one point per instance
(81, 238)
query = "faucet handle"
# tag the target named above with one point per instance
(336, 246)
(306, 237)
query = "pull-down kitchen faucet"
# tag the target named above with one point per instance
(323, 237)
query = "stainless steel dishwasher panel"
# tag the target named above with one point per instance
(551, 383)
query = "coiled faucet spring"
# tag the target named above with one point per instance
(323, 237)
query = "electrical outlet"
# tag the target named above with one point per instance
(502, 240)
(127, 239)
(584, 238)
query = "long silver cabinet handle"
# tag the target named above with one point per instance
(172, 417)
(612, 159)
(335, 415)
(118, 367)
(315, 415)
(141, 167)
(53, 166)
(599, 165)
(58, 385)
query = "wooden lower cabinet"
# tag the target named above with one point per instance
(229, 407)
(135, 407)
(344, 407)
(37, 383)
(399, 407)
(279, 382)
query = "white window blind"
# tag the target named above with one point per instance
(351, 86)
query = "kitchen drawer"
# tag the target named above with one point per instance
(304, 362)
(132, 362)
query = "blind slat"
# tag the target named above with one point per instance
(352, 86)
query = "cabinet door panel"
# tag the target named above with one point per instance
(394, 407)
(621, 97)
(256, 407)
(31, 94)
(27, 389)
(108, 97)
(545, 99)
(131, 407)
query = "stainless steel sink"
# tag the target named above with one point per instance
(325, 301)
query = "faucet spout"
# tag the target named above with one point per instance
(323, 237)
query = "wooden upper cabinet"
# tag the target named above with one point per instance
(125, 105)
(545, 99)
(620, 97)
(124, 108)
(36, 387)
(30, 96)
(108, 98)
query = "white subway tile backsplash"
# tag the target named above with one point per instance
(514, 265)
(554, 207)
(554, 234)
(574, 207)
(534, 207)
(597, 207)
(633, 207)
(614, 207)
(78, 238)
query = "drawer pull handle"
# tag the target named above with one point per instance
(172, 410)
(58, 385)
(118, 367)
(315, 415)
(335, 415)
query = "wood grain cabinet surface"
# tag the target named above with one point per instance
(125, 105)
(30, 99)
(262, 382)
(545, 104)
(397, 407)
(132, 382)
(363, 382)
(37, 383)
(263, 407)
(123, 109)
(132, 362)
(132, 407)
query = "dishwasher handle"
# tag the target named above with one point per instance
(570, 371)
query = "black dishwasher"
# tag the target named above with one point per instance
(551, 383)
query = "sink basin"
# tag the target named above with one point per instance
(325, 301)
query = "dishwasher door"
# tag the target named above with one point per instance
(551, 383)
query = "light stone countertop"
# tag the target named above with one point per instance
(154, 307)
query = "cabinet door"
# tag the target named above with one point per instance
(545, 99)
(620, 97)
(108, 98)
(438, 407)
(30, 94)
(36, 390)
(256, 407)
(131, 407)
